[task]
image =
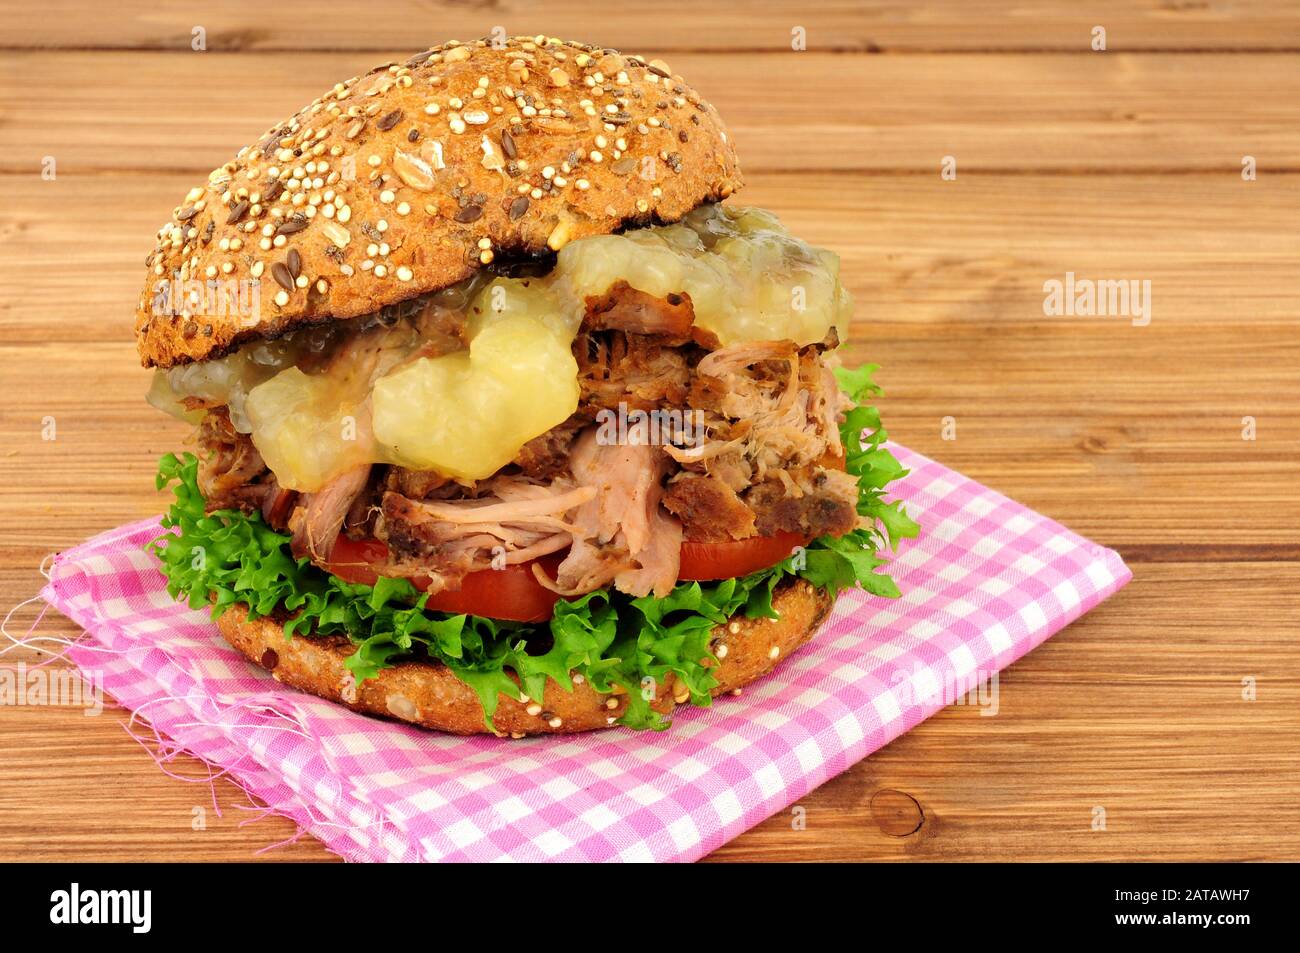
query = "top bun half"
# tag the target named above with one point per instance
(409, 178)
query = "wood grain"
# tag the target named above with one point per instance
(915, 251)
(1138, 711)
(1099, 113)
(241, 26)
(1120, 165)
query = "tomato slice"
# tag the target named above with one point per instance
(515, 594)
(355, 561)
(512, 593)
(739, 557)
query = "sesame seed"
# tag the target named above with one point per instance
(774, 651)
(404, 273)
(556, 722)
(282, 298)
(721, 651)
(534, 709)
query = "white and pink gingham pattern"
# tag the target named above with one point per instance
(987, 581)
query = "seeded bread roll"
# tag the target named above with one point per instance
(407, 179)
(429, 695)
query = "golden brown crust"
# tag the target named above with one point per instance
(407, 179)
(429, 695)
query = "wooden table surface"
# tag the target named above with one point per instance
(1117, 164)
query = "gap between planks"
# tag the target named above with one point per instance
(874, 172)
(867, 49)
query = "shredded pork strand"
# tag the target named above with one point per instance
(624, 535)
(319, 517)
(510, 511)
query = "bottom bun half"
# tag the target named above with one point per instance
(429, 695)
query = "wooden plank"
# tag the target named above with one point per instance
(918, 251)
(1102, 113)
(1136, 709)
(865, 25)
(57, 763)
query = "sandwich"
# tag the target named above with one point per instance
(504, 419)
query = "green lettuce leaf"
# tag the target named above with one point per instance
(613, 641)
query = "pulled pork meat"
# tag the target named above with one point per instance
(756, 451)
(621, 533)
(232, 474)
(511, 519)
(769, 463)
(318, 518)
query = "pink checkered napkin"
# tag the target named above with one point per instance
(987, 581)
